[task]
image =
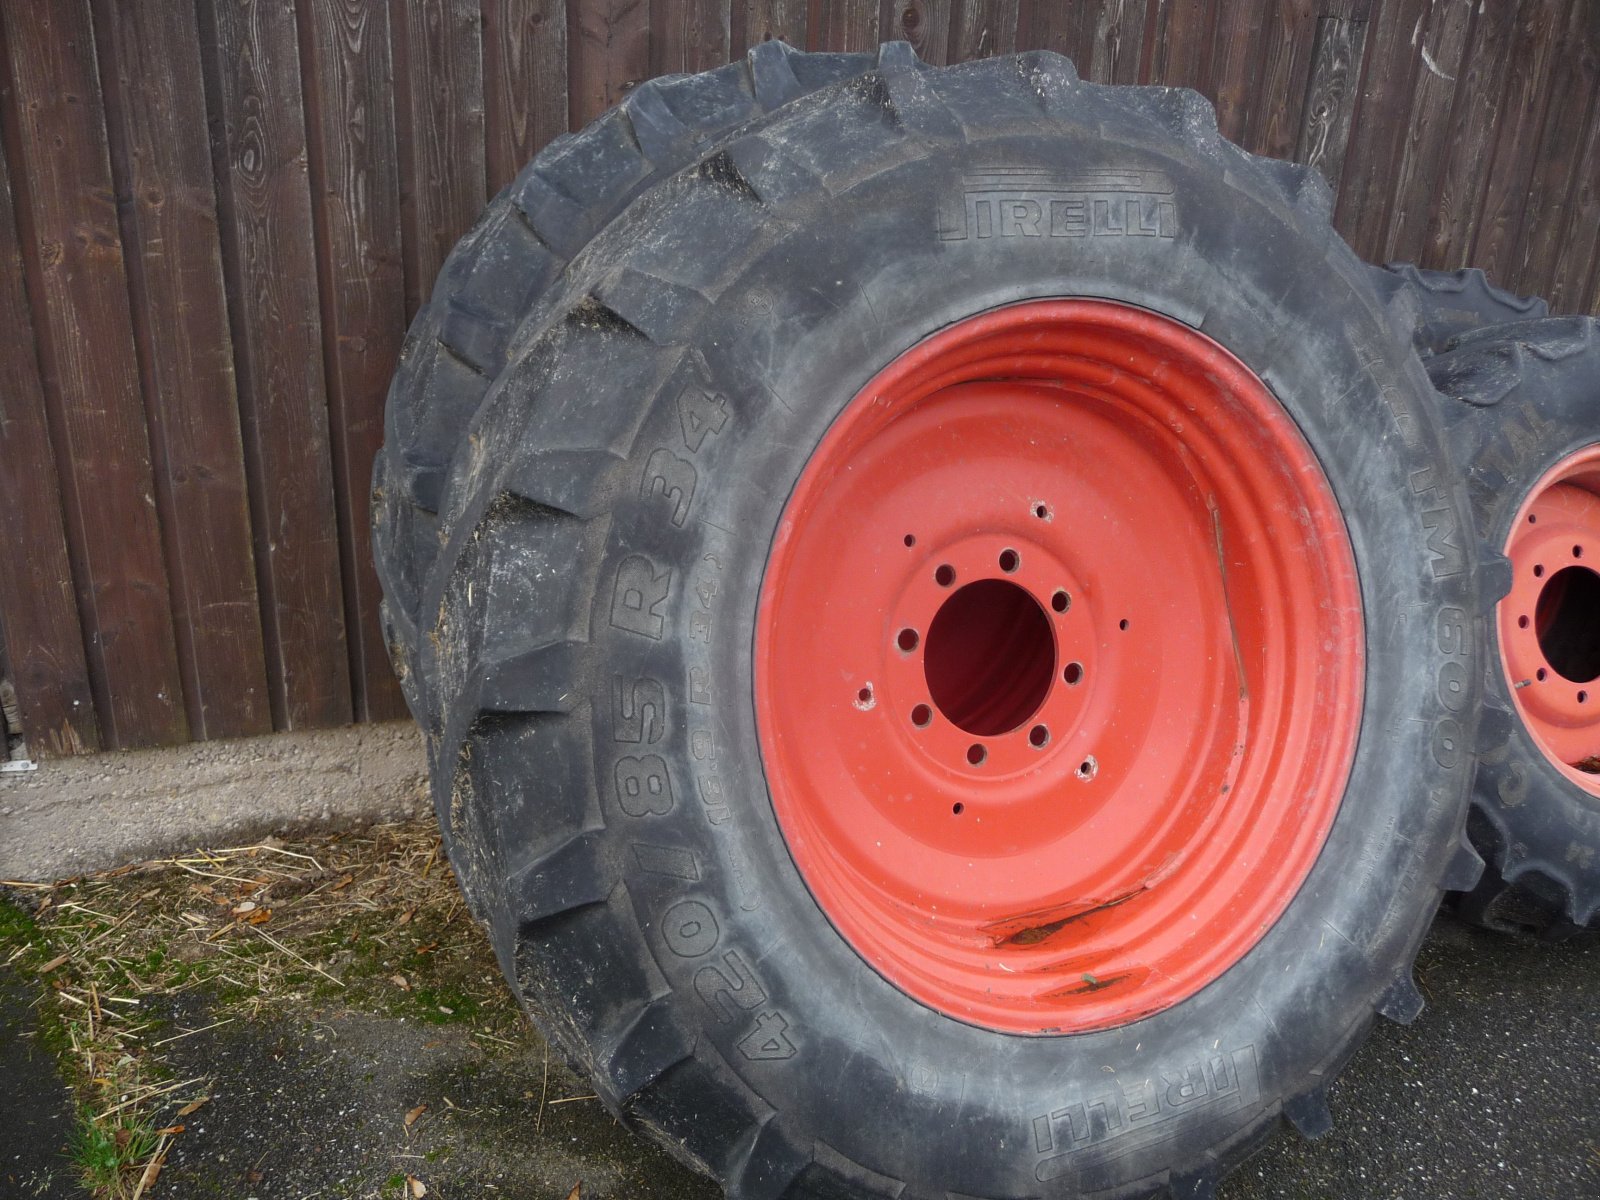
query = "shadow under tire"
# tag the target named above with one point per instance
(614, 754)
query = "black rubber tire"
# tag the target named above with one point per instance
(1522, 397)
(1452, 303)
(582, 617)
(502, 276)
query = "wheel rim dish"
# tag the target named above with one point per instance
(1160, 546)
(1549, 623)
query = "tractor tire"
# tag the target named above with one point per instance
(1452, 303)
(501, 278)
(951, 645)
(1524, 419)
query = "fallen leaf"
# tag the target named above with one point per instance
(405, 917)
(151, 1171)
(418, 1188)
(259, 917)
(411, 1117)
(577, 1191)
(171, 1130)
(400, 982)
(52, 964)
(193, 1106)
(344, 882)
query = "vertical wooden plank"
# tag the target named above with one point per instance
(844, 25)
(1330, 101)
(73, 261)
(252, 62)
(1559, 165)
(1182, 47)
(608, 48)
(44, 641)
(923, 23)
(1117, 40)
(1528, 93)
(1282, 73)
(1415, 185)
(756, 21)
(980, 28)
(161, 163)
(355, 207)
(1378, 129)
(1068, 29)
(1469, 140)
(1577, 261)
(687, 36)
(1234, 51)
(438, 72)
(524, 82)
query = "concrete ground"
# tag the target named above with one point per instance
(358, 1042)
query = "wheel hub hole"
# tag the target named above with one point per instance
(989, 657)
(1567, 622)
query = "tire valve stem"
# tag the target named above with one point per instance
(1525, 683)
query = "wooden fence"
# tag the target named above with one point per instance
(216, 219)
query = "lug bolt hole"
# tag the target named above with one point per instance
(945, 575)
(1541, 674)
(977, 754)
(1072, 673)
(958, 808)
(1010, 560)
(1522, 622)
(911, 539)
(1538, 570)
(1042, 511)
(1061, 601)
(1533, 518)
(864, 697)
(1088, 768)
(1577, 552)
(1039, 737)
(1123, 624)
(907, 640)
(1583, 697)
(922, 716)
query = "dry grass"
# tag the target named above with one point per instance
(372, 921)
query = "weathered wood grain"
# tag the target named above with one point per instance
(1235, 47)
(252, 62)
(1572, 281)
(1387, 79)
(1529, 80)
(757, 21)
(438, 71)
(844, 25)
(1324, 136)
(355, 208)
(161, 164)
(608, 46)
(38, 610)
(1415, 181)
(524, 82)
(982, 28)
(1469, 140)
(1282, 73)
(1181, 55)
(74, 264)
(923, 23)
(688, 36)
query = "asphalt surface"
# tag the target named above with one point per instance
(1493, 1092)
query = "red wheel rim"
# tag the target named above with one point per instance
(1550, 621)
(1079, 791)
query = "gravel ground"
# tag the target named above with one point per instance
(369, 1090)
